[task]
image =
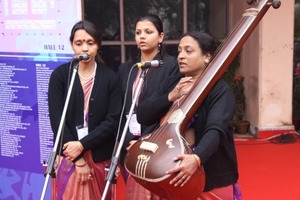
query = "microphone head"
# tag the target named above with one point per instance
(160, 63)
(81, 57)
(155, 63)
(150, 64)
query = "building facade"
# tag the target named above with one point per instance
(266, 58)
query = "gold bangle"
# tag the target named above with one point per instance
(80, 165)
(197, 159)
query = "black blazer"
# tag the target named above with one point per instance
(213, 133)
(104, 109)
(152, 81)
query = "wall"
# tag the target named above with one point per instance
(267, 64)
(275, 69)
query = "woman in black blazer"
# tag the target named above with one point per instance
(209, 131)
(91, 122)
(149, 37)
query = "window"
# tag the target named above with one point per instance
(116, 20)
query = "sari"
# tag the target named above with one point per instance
(68, 187)
(134, 191)
(230, 192)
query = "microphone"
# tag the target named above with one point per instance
(81, 57)
(149, 64)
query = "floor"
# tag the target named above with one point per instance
(269, 168)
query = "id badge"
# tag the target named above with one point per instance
(82, 132)
(134, 126)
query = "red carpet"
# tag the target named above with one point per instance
(268, 171)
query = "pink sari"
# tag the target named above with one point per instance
(223, 193)
(68, 187)
(134, 191)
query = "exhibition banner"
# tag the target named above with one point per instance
(34, 37)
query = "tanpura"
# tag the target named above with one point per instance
(151, 156)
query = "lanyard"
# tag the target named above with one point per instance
(135, 84)
(86, 102)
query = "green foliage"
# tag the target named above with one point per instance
(296, 92)
(296, 67)
(237, 86)
(236, 82)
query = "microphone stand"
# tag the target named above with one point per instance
(111, 173)
(62, 121)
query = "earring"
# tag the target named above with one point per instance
(206, 60)
(159, 46)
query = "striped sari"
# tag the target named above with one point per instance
(67, 185)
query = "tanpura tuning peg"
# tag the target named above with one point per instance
(276, 4)
(250, 2)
